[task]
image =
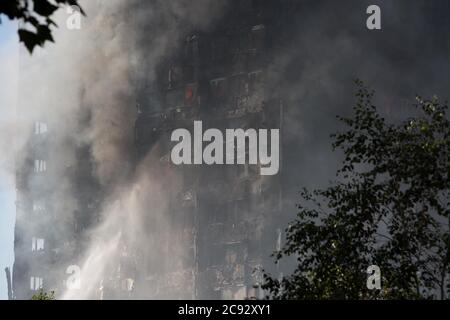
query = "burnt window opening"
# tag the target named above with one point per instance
(40, 166)
(239, 43)
(204, 51)
(258, 37)
(239, 64)
(191, 48)
(175, 76)
(175, 98)
(128, 284)
(245, 6)
(231, 215)
(37, 244)
(242, 208)
(146, 133)
(256, 81)
(239, 85)
(217, 256)
(189, 73)
(232, 255)
(188, 219)
(256, 61)
(219, 91)
(219, 48)
(36, 283)
(139, 108)
(239, 90)
(219, 214)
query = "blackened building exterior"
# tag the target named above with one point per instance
(227, 215)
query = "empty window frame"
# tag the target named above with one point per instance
(128, 284)
(36, 283)
(175, 98)
(175, 76)
(40, 166)
(258, 37)
(37, 244)
(238, 85)
(219, 91)
(219, 49)
(256, 82)
(40, 128)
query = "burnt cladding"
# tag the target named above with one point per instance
(228, 215)
(226, 220)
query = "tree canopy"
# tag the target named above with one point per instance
(388, 207)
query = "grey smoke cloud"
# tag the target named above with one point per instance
(330, 47)
(87, 84)
(135, 201)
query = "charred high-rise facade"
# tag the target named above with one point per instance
(102, 210)
(48, 241)
(226, 215)
(224, 220)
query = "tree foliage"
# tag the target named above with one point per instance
(42, 295)
(389, 207)
(35, 18)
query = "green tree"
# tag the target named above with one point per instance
(42, 295)
(389, 207)
(35, 18)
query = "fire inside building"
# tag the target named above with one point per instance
(227, 218)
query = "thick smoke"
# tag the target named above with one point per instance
(98, 68)
(85, 88)
(330, 47)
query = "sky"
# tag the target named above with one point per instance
(8, 95)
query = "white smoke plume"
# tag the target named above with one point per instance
(83, 88)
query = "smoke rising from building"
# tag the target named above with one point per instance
(111, 203)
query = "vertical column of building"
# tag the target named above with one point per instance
(224, 213)
(238, 205)
(39, 206)
(31, 216)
